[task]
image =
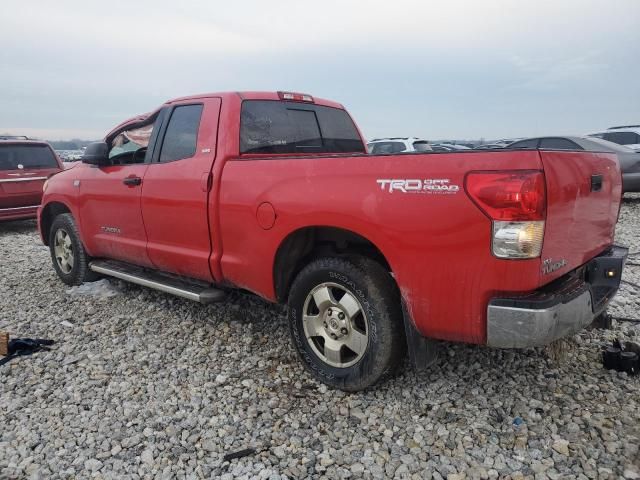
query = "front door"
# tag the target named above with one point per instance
(176, 188)
(110, 212)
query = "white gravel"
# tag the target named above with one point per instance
(145, 385)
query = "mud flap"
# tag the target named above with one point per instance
(423, 352)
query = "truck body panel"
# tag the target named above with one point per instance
(433, 253)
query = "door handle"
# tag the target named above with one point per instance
(132, 181)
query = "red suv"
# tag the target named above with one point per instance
(24, 166)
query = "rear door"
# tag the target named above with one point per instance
(583, 198)
(23, 169)
(176, 187)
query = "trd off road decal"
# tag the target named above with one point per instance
(440, 186)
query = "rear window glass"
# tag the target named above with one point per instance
(386, 147)
(559, 144)
(17, 157)
(292, 127)
(532, 143)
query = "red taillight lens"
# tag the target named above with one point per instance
(511, 195)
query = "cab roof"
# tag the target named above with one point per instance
(247, 95)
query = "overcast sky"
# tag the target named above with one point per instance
(435, 69)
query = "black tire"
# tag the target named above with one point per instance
(380, 304)
(79, 272)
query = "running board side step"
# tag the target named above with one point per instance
(158, 281)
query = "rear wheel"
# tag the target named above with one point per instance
(346, 322)
(70, 259)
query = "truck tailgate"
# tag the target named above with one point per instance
(583, 198)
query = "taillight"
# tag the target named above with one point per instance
(515, 201)
(295, 97)
(518, 195)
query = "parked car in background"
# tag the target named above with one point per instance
(398, 145)
(24, 167)
(627, 135)
(628, 158)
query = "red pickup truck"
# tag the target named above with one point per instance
(274, 193)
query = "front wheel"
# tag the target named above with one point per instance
(346, 322)
(70, 259)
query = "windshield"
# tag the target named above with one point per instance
(18, 157)
(609, 146)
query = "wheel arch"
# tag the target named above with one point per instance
(301, 246)
(50, 211)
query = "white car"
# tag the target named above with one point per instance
(627, 135)
(398, 145)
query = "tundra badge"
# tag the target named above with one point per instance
(550, 266)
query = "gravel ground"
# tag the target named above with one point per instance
(144, 385)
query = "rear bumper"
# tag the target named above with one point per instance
(18, 213)
(630, 182)
(559, 309)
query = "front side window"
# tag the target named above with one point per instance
(181, 137)
(127, 144)
(18, 157)
(276, 127)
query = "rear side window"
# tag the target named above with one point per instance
(17, 157)
(181, 137)
(559, 144)
(622, 138)
(292, 127)
(532, 143)
(421, 146)
(386, 147)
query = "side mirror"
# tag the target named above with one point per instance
(97, 154)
